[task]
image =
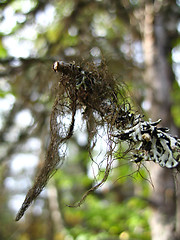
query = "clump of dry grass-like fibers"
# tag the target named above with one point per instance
(102, 103)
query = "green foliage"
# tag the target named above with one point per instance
(3, 51)
(102, 216)
(176, 102)
(107, 220)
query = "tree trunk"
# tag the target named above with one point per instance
(158, 78)
(56, 226)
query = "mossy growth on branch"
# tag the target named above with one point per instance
(103, 104)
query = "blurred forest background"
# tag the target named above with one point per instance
(140, 41)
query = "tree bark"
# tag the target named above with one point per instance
(158, 78)
(55, 219)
